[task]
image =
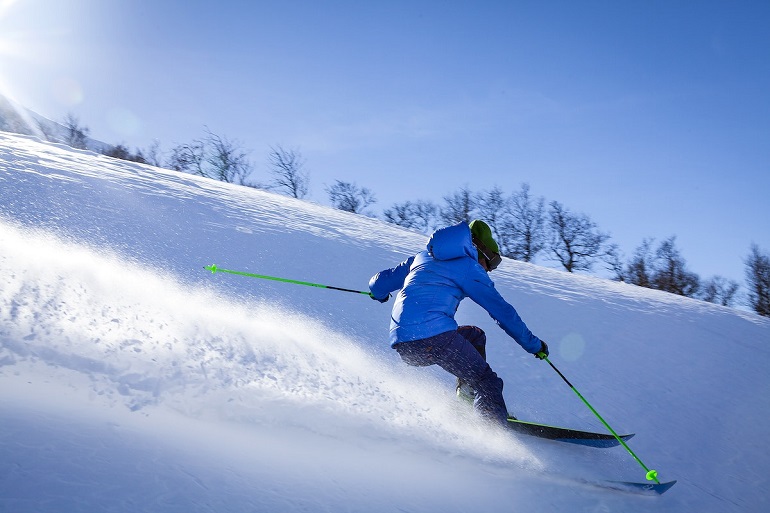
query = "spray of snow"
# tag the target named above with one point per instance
(144, 341)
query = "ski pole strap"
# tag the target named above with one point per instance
(214, 269)
(652, 475)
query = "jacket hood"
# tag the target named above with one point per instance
(452, 242)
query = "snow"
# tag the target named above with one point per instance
(131, 379)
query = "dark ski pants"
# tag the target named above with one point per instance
(460, 353)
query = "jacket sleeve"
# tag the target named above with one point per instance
(385, 282)
(480, 289)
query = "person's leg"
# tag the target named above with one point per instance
(460, 358)
(455, 354)
(478, 339)
(417, 353)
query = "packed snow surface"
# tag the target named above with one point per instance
(132, 379)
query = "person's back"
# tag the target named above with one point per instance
(432, 284)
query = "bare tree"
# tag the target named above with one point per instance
(350, 197)
(227, 161)
(524, 226)
(490, 206)
(458, 207)
(426, 214)
(641, 267)
(671, 274)
(188, 158)
(154, 155)
(720, 291)
(213, 157)
(75, 135)
(122, 152)
(286, 168)
(418, 215)
(758, 280)
(576, 242)
(614, 260)
(400, 214)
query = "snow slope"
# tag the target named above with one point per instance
(131, 379)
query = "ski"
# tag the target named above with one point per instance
(560, 434)
(637, 488)
(649, 488)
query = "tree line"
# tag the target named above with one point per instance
(526, 227)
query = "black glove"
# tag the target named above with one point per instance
(383, 300)
(543, 353)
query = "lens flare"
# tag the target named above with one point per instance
(67, 91)
(572, 347)
(123, 121)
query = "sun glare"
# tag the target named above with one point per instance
(12, 48)
(5, 5)
(36, 51)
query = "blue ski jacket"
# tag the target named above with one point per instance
(433, 282)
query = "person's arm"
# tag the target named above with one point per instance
(385, 282)
(480, 289)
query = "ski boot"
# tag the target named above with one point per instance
(465, 392)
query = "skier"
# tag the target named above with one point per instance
(432, 283)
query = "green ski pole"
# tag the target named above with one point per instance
(214, 269)
(652, 475)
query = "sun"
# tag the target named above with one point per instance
(5, 5)
(41, 59)
(14, 49)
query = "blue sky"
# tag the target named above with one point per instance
(651, 117)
